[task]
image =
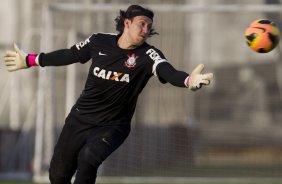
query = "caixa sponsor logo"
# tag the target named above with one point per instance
(111, 75)
(82, 44)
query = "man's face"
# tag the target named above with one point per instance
(138, 29)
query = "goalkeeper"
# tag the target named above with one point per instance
(99, 121)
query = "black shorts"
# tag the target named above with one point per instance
(83, 147)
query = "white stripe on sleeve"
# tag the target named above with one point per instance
(156, 64)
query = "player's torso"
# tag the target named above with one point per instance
(115, 79)
(114, 67)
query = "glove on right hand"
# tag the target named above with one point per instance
(15, 60)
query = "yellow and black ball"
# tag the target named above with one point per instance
(262, 35)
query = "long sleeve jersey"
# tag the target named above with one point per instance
(116, 76)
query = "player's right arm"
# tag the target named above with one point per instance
(18, 59)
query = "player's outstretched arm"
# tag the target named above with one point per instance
(196, 79)
(18, 59)
(167, 73)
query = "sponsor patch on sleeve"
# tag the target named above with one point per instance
(82, 43)
(155, 56)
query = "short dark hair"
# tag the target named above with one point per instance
(131, 12)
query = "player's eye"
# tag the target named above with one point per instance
(142, 24)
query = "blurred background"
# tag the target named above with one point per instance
(233, 128)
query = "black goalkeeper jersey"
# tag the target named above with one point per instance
(115, 79)
(116, 76)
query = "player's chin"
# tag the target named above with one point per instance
(140, 40)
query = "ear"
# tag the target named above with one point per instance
(126, 23)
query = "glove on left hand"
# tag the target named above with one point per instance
(197, 79)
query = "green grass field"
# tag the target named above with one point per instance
(176, 181)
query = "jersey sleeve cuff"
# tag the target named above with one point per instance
(186, 82)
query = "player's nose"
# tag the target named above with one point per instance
(146, 30)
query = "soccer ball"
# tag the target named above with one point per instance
(262, 35)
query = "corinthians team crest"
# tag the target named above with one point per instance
(131, 61)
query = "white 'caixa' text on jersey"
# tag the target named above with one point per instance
(111, 75)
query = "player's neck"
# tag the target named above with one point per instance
(125, 43)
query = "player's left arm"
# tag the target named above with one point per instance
(167, 73)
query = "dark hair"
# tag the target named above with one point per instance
(131, 12)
